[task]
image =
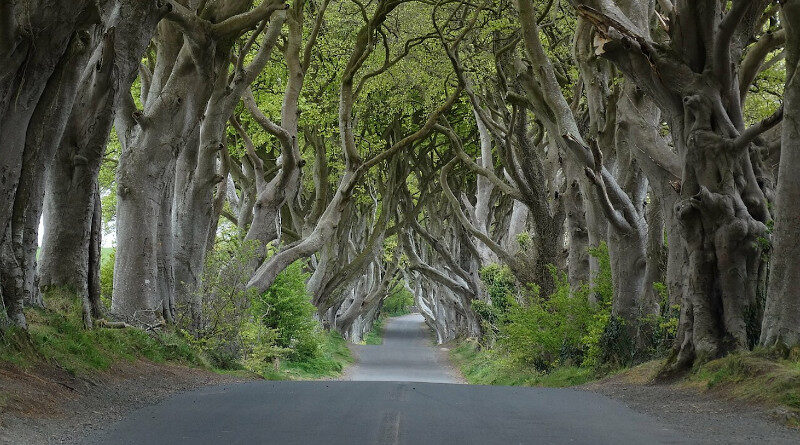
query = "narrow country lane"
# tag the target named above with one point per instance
(406, 355)
(404, 408)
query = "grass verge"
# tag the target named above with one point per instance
(56, 337)
(755, 377)
(329, 362)
(758, 377)
(487, 367)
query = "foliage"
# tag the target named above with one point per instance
(501, 289)
(658, 332)
(221, 332)
(267, 333)
(286, 308)
(545, 332)
(333, 355)
(107, 275)
(481, 366)
(57, 336)
(398, 302)
(375, 335)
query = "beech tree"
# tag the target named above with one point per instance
(692, 75)
(780, 325)
(415, 145)
(192, 50)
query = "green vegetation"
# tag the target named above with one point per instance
(398, 302)
(375, 336)
(273, 334)
(755, 376)
(566, 338)
(57, 337)
(481, 366)
(329, 361)
(107, 258)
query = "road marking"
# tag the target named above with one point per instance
(390, 429)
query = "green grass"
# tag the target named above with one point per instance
(487, 367)
(375, 336)
(753, 376)
(329, 362)
(58, 338)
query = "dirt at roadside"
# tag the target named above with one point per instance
(702, 417)
(48, 405)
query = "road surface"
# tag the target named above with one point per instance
(406, 355)
(416, 408)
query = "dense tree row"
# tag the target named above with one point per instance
(397, 143)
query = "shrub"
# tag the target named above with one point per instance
(657, 332)
(568, 327)
(286, 308)
(225, 301)
(551, 331)
(500, 285)
(501, 289)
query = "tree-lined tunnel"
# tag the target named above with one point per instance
(563, 189)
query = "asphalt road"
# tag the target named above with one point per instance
(412, 411)
(406, 355)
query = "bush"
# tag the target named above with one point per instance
(552, 331)
(658, 332)
(225, 301)
(286, 308)
(566, 328)
(501, 289)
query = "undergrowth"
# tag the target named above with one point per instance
(481, 366)
(331, 360)
(272, 334)
(58, 338)
(565, 338)
(375, 335)
(757, 376)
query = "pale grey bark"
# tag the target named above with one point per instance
(781, 325)
(355, 166)
(34, 41)
(70, 201)
(198, 170)
(191, 54)
(723, 207)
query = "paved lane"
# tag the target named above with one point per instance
(409, 410)
(385, 413)
(406, 355)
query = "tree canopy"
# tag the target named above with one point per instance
(501, 161)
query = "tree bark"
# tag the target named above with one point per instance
(781, 325)
(37, 84)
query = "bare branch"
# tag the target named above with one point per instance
(756, 130)
(247, 20)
